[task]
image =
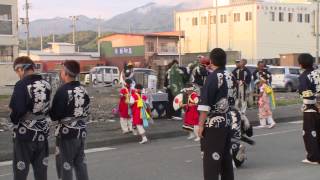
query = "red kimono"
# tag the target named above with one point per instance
(136, 111)
(191, 117)
(124, 103)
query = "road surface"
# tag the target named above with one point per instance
(276, 156)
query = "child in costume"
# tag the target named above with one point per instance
(124, 107)
(140, 112)
(191, 116)
(266, 104)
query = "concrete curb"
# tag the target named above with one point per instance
(152, 136)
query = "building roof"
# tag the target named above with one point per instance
(155, 34)
(42, 53)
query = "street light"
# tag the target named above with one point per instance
(317, 29)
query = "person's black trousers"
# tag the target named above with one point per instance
(70, 156)
(216, 145)
(30, 152)
(311, 135)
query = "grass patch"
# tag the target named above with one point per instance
(287, 102)
(4, 97)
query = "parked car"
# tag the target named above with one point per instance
(285, 77)
(103, 74)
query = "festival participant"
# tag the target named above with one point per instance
(243, 79)
(214, 125)
(266, 103)
(198, 72)
(140, 112)
(29, 116)
(124, 107)
(257, 74)
(308, 88)
(191, 116)
(174, 82)
(70, 107)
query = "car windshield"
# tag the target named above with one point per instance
(277, 70)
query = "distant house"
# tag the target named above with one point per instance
(141, 49)
(8, 40)
(50, 59)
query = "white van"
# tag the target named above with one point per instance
(103, 74)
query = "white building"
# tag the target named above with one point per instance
(259, 30)
(8, 40)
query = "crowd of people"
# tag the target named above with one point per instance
(211, 101)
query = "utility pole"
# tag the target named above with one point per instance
(27, 23)
(317, 32)
(217, 26)
(99, 34)
(74, 22)
(180, 63)
(41, 42)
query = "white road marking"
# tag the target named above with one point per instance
(88, 151)
(279, 132)
(296, 122)
(2, 175)
(185, 146)
(5, 163)
(95, 150)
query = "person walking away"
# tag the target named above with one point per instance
(30, 121)
(70, 108)
(191, 116)
(140, 113)
(214, 125)
(309, 84)
(243, 79)
(266, 103)
(124, 107)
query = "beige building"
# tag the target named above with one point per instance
(259, 30)
(8, 40)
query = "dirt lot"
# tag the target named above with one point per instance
(104, 99)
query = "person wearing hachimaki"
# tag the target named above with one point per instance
(215, 125)
(70, 108)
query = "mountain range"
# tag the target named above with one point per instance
(151, 17)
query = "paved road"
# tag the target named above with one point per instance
(276, 156)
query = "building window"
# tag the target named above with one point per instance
(5, 20)
(236, 17)
(300, 19)
(248, 16)
(6, 54)
(281, 17)
(150, 47)
(272, 16)
(290, 17)
(213, 19)
(307, 18)
(203, 20)
(223, 19)
(195, 21)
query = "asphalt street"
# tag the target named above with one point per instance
(276, 156)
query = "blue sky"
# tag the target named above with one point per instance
(92, 8)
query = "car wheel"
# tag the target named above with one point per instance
(289, 87)
(116, 81)
(95, 82)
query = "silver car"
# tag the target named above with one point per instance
(285, 77)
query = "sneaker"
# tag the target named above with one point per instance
(197, 139)
(145, 140)
(191, 136)
(306, 161)
(176, 118)
(272, 125)
(241, 155)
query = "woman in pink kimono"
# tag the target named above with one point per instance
(266, 104)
